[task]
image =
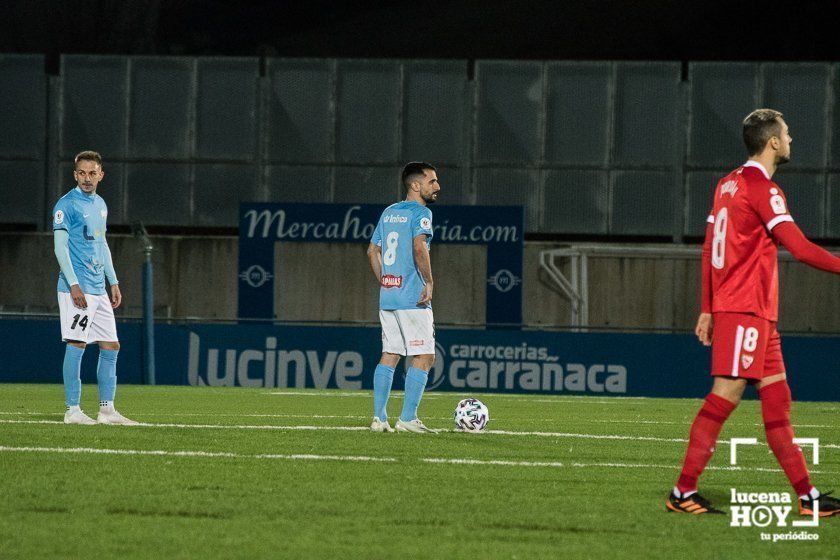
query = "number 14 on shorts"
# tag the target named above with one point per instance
(83, 322)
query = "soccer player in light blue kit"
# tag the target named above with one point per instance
(399, 256)
(87, 313)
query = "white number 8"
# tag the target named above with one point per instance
(750, 339)
(719, 240)
(390, 255)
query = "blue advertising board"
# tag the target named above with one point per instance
(467, 361)
(261, 225)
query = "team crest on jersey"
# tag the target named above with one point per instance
(59, 217)
(746, 360)
(729, 187)
(425, 223)
(391, 281)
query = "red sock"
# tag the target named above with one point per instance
(775, 409)
(701, 441)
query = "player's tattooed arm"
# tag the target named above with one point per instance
(424, 266)
(374, 253)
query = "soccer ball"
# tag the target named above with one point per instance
(471, 415)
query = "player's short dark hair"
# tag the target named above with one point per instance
(759, 127)
(414, 168)
(88, 155)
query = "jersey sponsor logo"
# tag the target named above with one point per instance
(746, 360)
(729, 187)
(391, 281)
(777, 203)
(394, 219)
(87, 235)
(425, 223)
(59, 217)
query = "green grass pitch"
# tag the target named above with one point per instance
(260, 473)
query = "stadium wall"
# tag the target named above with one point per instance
(196, 278)
(468, 361)
(606, 148)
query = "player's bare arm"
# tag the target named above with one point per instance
(374, 253)
(111, 276)
(424, 266)
(116, 296)
(78, 296)
(704, 328)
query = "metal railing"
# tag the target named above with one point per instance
(575, 285)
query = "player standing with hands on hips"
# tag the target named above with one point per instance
(87, 313)
(739, 310)
(399, 256)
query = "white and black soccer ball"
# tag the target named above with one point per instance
(471, 415)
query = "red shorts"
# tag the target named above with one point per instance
(745, 346)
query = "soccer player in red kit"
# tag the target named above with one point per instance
(739, 310)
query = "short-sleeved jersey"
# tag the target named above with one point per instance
(401, 282)
(83, 216)
(745, 273)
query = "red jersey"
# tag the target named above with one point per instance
(744, 269)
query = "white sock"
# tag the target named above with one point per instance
(812, 495)
(106, 406)
(682, 496)
(74, 408)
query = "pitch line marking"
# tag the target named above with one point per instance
(229, 414)
(399, 394)
(526, 397)
(210, 454)
(584, 436)
(365, 428)
(358, 428)
(210, 414)
(210, 426)
(557, 464)
(363, 417)
(358, 458)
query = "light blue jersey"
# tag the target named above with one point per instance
(401, 282)
(83, 216)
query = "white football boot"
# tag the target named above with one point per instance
(379, 426)
(76, 416)
(415, 426)
(115, 418)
